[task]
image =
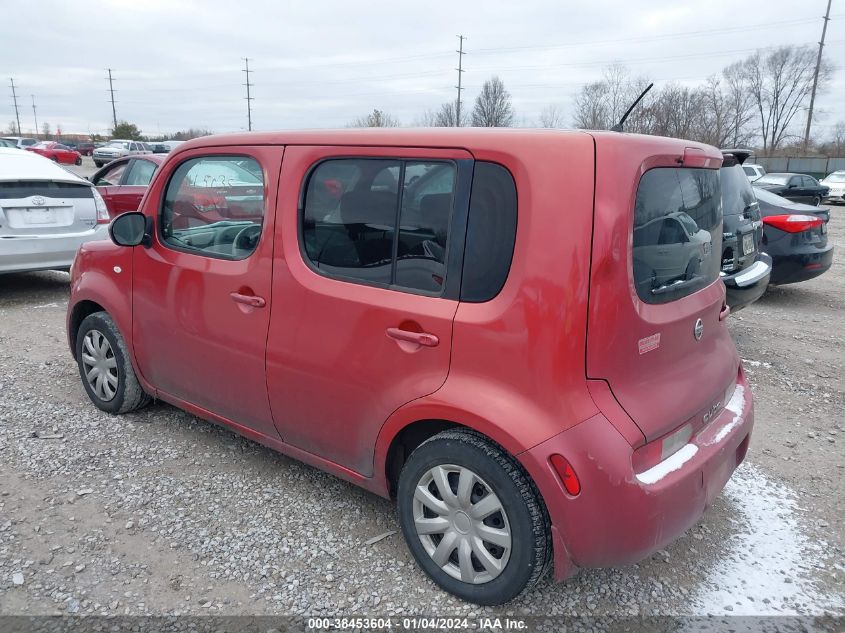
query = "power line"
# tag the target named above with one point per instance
(248, 98)
(460, 70)
(35, 116)
(816, 77)
(111, 90)
(15, 99)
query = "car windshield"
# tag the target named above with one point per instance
(120, 144)
(836, 177)
(775, 179)
(222, 173)
(42, 145)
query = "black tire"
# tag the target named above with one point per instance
(98, 164)
(526, 515)
(54, 159)
(817, 200)
(78, 161)
(129, 395)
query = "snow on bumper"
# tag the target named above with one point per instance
(621, 517)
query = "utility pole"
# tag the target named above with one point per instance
(248, 98)
(816, 78)
(15, 99)
(460, 70)
(111, 90)
(35, 116)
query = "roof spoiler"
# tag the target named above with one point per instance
(741, 155)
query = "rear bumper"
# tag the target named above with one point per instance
(748, 285)
(45, 252)
(620, 517)
(803, 265)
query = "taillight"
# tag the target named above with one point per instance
(100, 206)
(793, 223)
(567, 474)
(655, 452)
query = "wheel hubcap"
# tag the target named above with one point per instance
(99, 365)
(462, 524)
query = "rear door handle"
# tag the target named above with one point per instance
(250, 300)
(420, 338)
(725, 312)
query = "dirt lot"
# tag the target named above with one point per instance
(161, 513)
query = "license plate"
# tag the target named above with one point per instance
(40, 216)
(748, 243)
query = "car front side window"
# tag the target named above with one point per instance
(213, 207)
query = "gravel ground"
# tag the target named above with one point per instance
(161, 513)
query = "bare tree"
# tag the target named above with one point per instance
(601, 104)
(493, 105)
(377, 118)
(835, 144)
(46, 132)
(779, 83)
(590, 107)
(551, 116)
(445, 116)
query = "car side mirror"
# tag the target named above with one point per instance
(131, 229)
(792, 185)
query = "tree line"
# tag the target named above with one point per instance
(759, 102)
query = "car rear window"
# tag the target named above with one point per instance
(677, 233)
(48, 189)
(737, 194)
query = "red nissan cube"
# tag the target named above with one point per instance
(519, 335)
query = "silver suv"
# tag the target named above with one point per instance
(118, 148)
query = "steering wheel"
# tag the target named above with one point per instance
(226, 234)
(246, 239)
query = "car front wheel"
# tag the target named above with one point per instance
(473, 519)
(817, 200)
(105, 368)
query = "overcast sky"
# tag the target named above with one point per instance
(321, 63)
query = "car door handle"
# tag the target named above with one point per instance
(725, 312)
(250, 300)
(420, 338)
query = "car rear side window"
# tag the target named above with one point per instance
(491, 232)
(214, 206)
(677, 233)
(380, 221)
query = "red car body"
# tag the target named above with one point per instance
(57, 152)
(565, 360)
(123, 182)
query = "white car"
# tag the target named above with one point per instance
(118, 148)
(46, 213)
(754, 172)
(836, 183)
(21, 142)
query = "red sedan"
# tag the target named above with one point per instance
(57, 152)
(123, 182)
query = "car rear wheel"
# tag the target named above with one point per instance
(104, 366)
(472, 518)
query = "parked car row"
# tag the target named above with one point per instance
(401, 249)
